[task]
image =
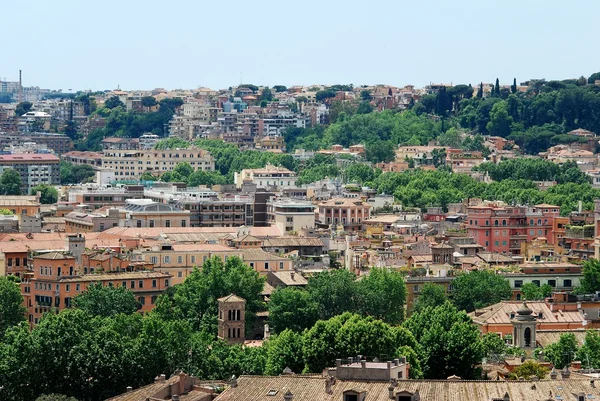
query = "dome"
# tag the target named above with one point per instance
(524, 310)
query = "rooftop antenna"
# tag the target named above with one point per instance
(20, 88)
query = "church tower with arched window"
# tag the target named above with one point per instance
(232, 315)
(524, 328)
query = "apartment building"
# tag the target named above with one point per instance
(500, 228)
(291, 214)
(82, 222)
(34, 168)
(56, 279)
(179, 260)
(268, 176)
(59, 143)
(93, 159)
(560, 276)
(131, 164)
(147, 213)
(97, 197)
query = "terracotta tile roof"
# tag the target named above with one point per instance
(115, 276)
(231, 298)
(257, 254)
(303, 388)
(291, 241)
(288, 279)
(500, 313)
(547, 337)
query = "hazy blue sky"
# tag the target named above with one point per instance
(78, 44)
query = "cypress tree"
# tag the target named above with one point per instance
(480, 91)
(513, 88)
(497, 87)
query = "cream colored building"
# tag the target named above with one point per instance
(291, 214)
(180, 259)
(131, 164)
(268, 176)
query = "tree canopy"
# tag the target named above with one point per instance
(478, 289)
(104, 301)
(10, 182)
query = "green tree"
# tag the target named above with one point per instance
(12, 311)
(147, 176)
(113, 102)
(183, 169)
(500, 120)
(590, 283)
(494, 347)
(513, 87)
(23, 108)
(99, 300)
(431, 295)
(76, 174)
(360, 173)
(366, 95)
(497, 88)
(335, 291)
(284, 350)
(49, 194)
(266, 94)
(528, 369)
(280, 88)
(438, 157)
(589, 352)
(382, 295)
(379, 151)
(149, 101)
(195, 300)
(478, 289)
(293, 309)
(533, 292)
(563, 352)
(10, 182)
(451, 344)
(172, 143)
(480, 91)
(6, 212)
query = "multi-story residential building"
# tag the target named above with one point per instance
(290, 214)
(117, 143)
(96, 198)
(34, 121)
(81, 222)
(463, 162)
(350, 213)
(147, 213)
(58, 143)
(131, 164)
(560, 276)
(180, 259)
(275, 124)
(148, 140)
(34, 168)
(57, 278)
(77, 157)
(266, 177)
(503, 229)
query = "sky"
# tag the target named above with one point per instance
(134, 44)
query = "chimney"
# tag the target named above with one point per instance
(363, 364)
(182, 377)
(396, 362)
(129, 389)
(338, 363)
(293, 276)
(391, 387)
(553, 374)
(163, 377)
(288, 396)
(328, 383)
(565, 373)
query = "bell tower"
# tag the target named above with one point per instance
(232, 319)
(524, 328)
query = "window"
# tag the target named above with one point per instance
(540, 232)
(167, 223)
(153, 299)
(496, 243)
(154, 259)
(536, 282)
(552, 283)
(503, 243)
(142, 300)
(531, 232)
(138, 223)
(132, 284)
(193, 259)
(140, 284)
(68, 287)
(183, 223)
(166, 282)
(518, 283)
(151, 223)
(166, 259)
(567, 283)
(280, 265)
(266, 265)
(179, 274)
(77, 287)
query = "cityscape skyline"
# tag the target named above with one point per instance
(176, 50)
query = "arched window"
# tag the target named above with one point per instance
(527, 337)
(539, 222)
(503, 222)
(496, 223)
